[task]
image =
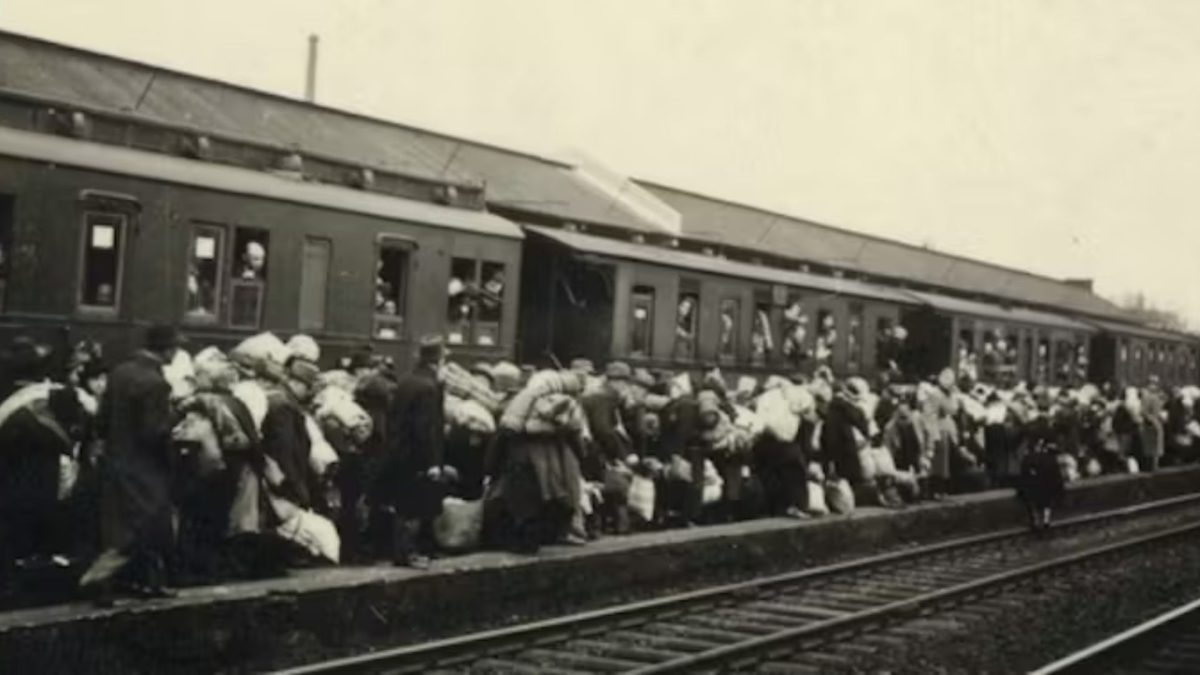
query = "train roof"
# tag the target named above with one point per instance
(236, 180)
(734, 224)
(514, 180)
(517, 183)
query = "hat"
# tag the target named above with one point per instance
(161, 337)
(483, 368)
(363, 358)
(583, 366)
(618, 370)
(430, 345)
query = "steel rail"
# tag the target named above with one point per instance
(1092, 657)
(457, 650)
(785, 642)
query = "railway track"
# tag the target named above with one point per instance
(788, 622)
(1167, 643)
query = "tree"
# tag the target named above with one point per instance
(1147, 312)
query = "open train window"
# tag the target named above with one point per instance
(854, 342)
(490, 303)
(460, 299)
(314, 282)
(204, 273)
(248, 285)
(391, 288)
(795, 331)
(826, 337)
(687, 319)
(731, 314)
(641, 321)
(762, 335)
(6, 247)
(103, 259)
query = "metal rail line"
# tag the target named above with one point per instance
(1168, 643)
(765, 618)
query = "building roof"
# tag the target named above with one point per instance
(734, 224)
(658, 255)
(515, 180)
(237, 180)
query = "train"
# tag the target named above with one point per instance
(132, 194)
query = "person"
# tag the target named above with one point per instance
(609, 445)
(136, 473)
(408, 486)
(685, 328)
(1040, 485)
(254, 261)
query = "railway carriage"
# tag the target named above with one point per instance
(102, 237)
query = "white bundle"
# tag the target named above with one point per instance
(304, 347)
(312, 531)
(996, 413)
(469, 414)
(641, 497)
(337, 406)
(459, 526)
(816, 503)
(321, 454)
(748, 422)
(338, 379)
(713, 484)
(181, 375)
(261, 348)
(251, 394)
(776, 415)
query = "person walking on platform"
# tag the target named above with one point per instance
(408, 487)
(137, 473)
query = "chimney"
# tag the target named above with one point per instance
(1085, 284)
(310, 84)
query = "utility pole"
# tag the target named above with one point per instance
(310, 85)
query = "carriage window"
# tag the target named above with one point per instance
(103, 248)
(490, 304)
(762, 339)
(460, 300)
(854, 338)
(641, 321)
(826, 336)
(204, 273)
(314, 280)
(886, 344)
(730, 316)
(249, 278)
(795, 331)
(391, 286)
(6, 244)
(1064, 361)
(1124, 351)
(967, 360)
(687, 315)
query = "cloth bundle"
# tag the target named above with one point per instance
(553, 413)
(468, 414)
(462, 384)
(541, 384)
(337, 409)
(459, 527)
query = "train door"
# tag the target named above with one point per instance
(584, 294)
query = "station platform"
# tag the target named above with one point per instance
(322, 613)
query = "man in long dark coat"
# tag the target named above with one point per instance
(409, 484)
(137, 471)
(838, 442)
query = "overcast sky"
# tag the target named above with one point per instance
(1059, 136)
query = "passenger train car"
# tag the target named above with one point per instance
(130, 194)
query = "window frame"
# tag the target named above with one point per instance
(639, 292)
(408, 247)
(734, 342)
(223, 275)
(236, 282)
(81, 264)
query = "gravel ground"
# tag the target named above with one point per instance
(1022, 630)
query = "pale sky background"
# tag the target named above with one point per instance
(1058, 136)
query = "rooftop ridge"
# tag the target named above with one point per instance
(834, 228)
(7, 34)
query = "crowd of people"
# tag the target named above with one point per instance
(179, 468)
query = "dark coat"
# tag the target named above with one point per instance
(416, 428)
(602, 409)
(31, 517)
(837, 437)
(285, 440)
(138, 465)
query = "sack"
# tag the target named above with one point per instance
(313, 532)
(776, 415)
(1092, 468)
(885, 464)
(816, 499)
(839, 496)
(713, 484)
(679, 470)
(641, 497)
(1131, 465)
(460, 524)
(866, 461)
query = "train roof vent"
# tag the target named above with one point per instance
(446, 195)
(363, 179)
(709, 251)
(290, 165)
(73, 123)
(673, 242)
(638, 238)
(570, 227)
(196, 147)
